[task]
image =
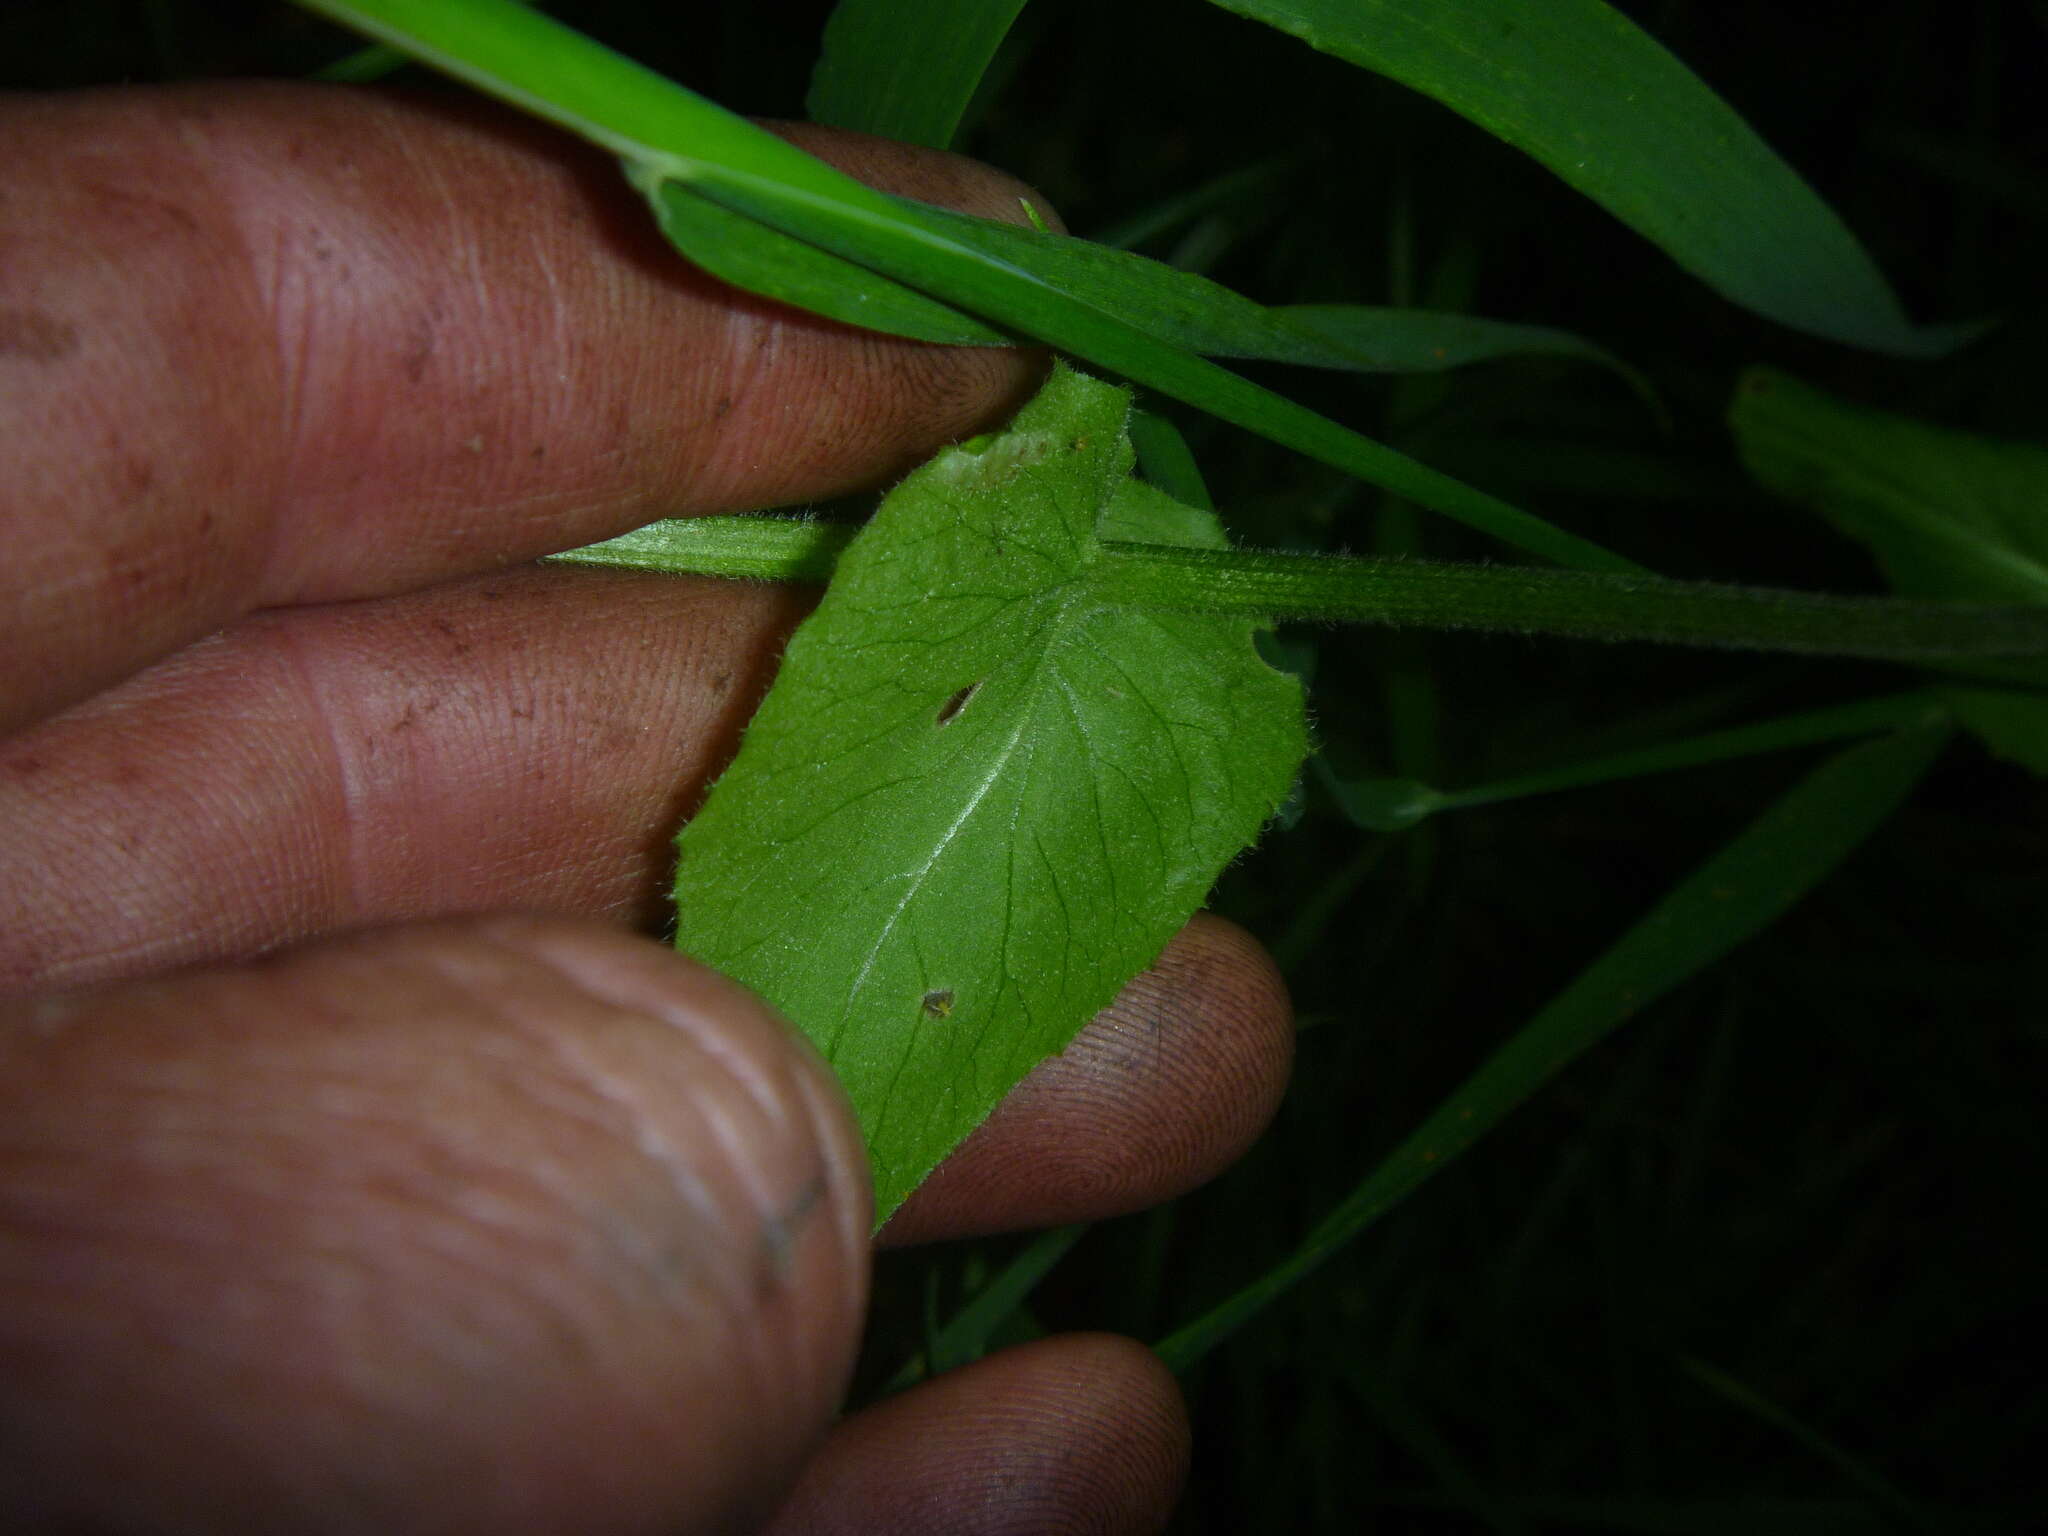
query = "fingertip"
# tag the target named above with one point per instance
(1081, 1433)
(1160, 1092)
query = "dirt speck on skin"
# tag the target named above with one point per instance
(36, 337)
(457, 646)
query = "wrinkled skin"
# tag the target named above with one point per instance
(361, 1167)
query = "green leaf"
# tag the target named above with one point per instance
(1947, 514)
(966, 1338)
(980, 797)
(737, 250)
(1165, 459)
(1742, 889)
(1431, 341)
(1394, 805)
(667, 135)
(1138, 316)
(1194, 313)
(906, 69)
(1580, 88)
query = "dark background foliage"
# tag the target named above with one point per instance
(1767, 1260)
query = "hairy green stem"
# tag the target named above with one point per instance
(1583, 604)
(1422, 593)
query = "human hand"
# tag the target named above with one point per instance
(330, 1200)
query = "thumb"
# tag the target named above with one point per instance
(499, 1225)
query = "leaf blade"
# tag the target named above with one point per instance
(906, 69)
(545, 68)
(1946, 514)
(1585, 92)
(1014, 733)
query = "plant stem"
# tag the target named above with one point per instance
(1426, 594)
(1587, 605)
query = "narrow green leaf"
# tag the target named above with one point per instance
(1431, 341)
(1776, 860)
(906, 69)
(1139, 317)
(963, 715)
(1259, 183)
(363, 67)
(667, 136)
(1853, 1468)
(740, 251)
(1947, 514)
(966, 1337)
(950, 257)
(1583, 90)
(1393, 805)
(1165, 459)
(1191, 312)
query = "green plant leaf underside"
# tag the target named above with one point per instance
(1947, 514)
(981, 796)
(1580, 88)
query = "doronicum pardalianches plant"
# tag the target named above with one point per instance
(1047, 665)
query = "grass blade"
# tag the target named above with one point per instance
(1947, 514)
(1430, 341)
(966, 1337)
(363, 67)
(936, 252)
(1579, 87)
(677, 145)
(1394, 805)
(1852, 1468)
(906, 69)
(1165, 459)
(1776, 860)
(736, 249)
(1203, 316)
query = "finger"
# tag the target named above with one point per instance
(502, 1226)
(1163, 1090)
(496, 743)
(264, 344)
(529, 740)
(1079, 1434)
